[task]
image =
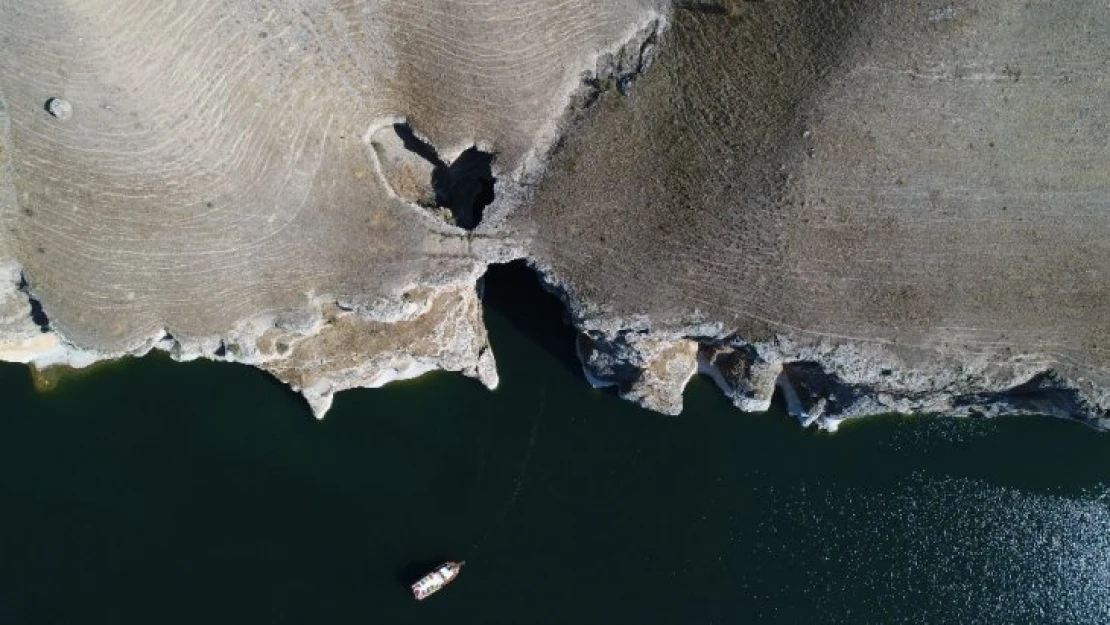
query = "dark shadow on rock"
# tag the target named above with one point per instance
(514, 291)
(38, 315)
(416, 145)
(466, 186)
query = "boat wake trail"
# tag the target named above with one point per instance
(518, 481)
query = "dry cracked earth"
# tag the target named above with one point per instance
(867, 206)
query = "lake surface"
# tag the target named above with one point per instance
(155, 492)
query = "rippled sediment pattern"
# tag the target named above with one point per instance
(929, 180)
(214, 169)
(924, 184)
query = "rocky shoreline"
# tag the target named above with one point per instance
(864, 208)
(822, 383)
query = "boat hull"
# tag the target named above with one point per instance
(436, 580)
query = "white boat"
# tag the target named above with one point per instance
(431, 583)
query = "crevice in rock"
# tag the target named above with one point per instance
(730, 8)
(1043, 394)
(814, 384)
(458, 191)
(38, 315)
(808, 389)
(619, 70)
(416, 145)
(810, 393)
(465, 187)
(520, 294)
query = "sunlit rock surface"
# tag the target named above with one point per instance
(911, 199)
(866, 206)
(203, 170)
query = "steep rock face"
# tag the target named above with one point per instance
(645, 369)
(741, 374)
(349, 351)
(24, 339)
(908, 200)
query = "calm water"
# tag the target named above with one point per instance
(154, 492)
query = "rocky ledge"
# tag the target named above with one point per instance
(826, 383)
(868, 207)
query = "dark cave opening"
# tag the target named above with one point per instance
(38, 315)
(465, 187)
(516, 292)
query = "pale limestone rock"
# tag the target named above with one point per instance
(350, 351)
(900, 204)
(648, 371)
(219, 191)
(746, 378)
(407, 174)
(904, 203)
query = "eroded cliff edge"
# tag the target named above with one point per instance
(220, 180)
(873, 206)
(876, 206)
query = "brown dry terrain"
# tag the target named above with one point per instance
(210, 176)
(900, 205)
(926, 182)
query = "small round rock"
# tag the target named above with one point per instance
(59, 108)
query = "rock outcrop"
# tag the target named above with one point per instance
(904, 205)
(866, 206)
(213, 179)
(647, 370)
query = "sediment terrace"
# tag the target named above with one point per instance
(872, 206)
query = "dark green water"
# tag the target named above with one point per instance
(155, 492)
